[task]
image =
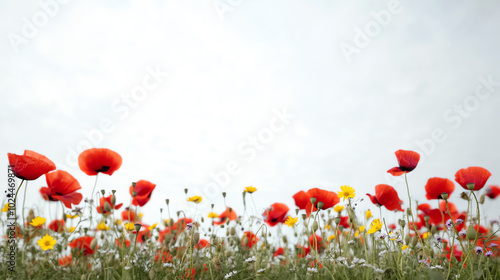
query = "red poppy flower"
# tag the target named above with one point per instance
(407, 161)
(249, 239)
(95, 160)
(456, 253)
(391, 226)
(275, 214)
(128, 215)
(227, 214)
(30, 165)
(303, 251)
(436, 186)
(165, 257)
(102, 202)
(65, 261)
(318, 241)
(57, 225)
(344, 221)
(203, 243)
(143, 190)
(62, 187)
(83, 243)
(278, 252)
(472, 175)
(493, 191)
(303, 199)
(387, 196)
(120, 243)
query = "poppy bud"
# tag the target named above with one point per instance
(313, 200)
(244, 240)
(167, 201)
(202, 219)
(269, 234)
(222, 226)
(402, 223)
(426, 218)
(228, 253)
(196, 237)
(134, 193)
(113, 199)
(285, 240)
(464, 196)
(93, 244)
(433, 229)
(408, 211)
(471, 233)
(304, 216)
(407, 239)
(85, 229)
(319, 205)
(297, 212)
(481, 199)
(107, 207)
(65, 218)
(414, 241)
(444, 196)
(295, 234)
(152, 274)
(103, 192)
(470, 186)
(102, 235)
(233, 231)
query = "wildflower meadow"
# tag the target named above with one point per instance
(323, 236)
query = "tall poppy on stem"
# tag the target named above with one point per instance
(387, 196)
(472, 175)
(143, 190)
(275, 214)
(309, 200)
(84, 244)
(30, 165)
(106, 209)
(493, 191)
(437, 186)
(99, 160)
(224, 216)
(62, 186)
(407, 161)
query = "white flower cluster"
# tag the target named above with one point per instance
(230, 274)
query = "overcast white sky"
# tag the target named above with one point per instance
(66, 68)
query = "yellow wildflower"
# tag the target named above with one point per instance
(361, 228)
(102, 226)
(426, 235)
(213, 215)
(368, 214)
(291, 221)
(195, 199)
(346, 192)
(331, 237)
(47, 242)
(375, 226)
(338, 208)
(404, 247)
(129, 226)
(153, 226)
(250, 189)
(69, 216)
(38, 221)
(71, 229)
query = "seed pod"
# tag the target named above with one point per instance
(113, 199)
(233, 231)
(408, 211)
(471, 232)
(285, 240)
(107, 207)
(93, 244)
(481, 199)
(320, 205)
(196, 237)
(433, 229)
(414, 241)
(315, 226)
(402, 223)
(228, 253)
